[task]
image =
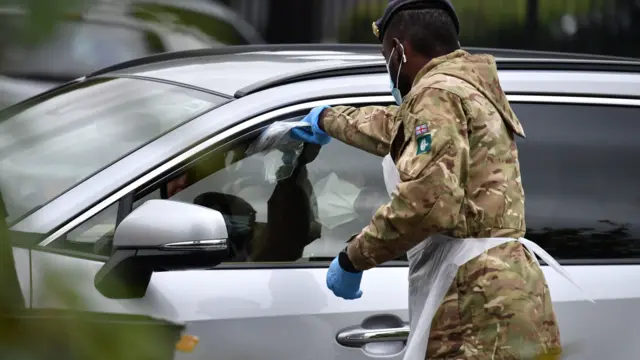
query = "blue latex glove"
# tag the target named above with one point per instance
(344, 284)
(315, 135)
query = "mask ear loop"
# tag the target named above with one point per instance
(391, 55)
(404, 60)
(404, 57)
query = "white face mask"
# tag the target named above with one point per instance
(397, 95)
(336, 199)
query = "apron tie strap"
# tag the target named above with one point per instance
(536, 249)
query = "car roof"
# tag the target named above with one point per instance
(241, 70)
(230, 69)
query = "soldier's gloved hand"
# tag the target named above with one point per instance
(343, 283)
(313, 135)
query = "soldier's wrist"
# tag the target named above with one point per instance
(345, 262)
(321, 119)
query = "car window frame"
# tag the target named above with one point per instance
(256, 123)
(124, 197)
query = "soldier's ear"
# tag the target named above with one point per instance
(400, 53)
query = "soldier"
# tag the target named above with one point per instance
(476, 290)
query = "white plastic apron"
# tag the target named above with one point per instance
(433, 265)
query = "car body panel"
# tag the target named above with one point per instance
(230, 73)
(586, 83)
(293, 306)
(291, 311)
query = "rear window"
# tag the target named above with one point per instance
(59, 141)
(580, 175)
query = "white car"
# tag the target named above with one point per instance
(80, 164)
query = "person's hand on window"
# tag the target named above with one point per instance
(313, 135)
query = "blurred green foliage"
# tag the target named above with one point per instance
(78, 333)
(477, 17)
(357, 26)
(42, 17)
(491, 14)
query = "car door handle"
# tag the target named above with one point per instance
(361, 337)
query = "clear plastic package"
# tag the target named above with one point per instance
(275, 136)
(280, 152)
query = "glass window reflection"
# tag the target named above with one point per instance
(580, 172)
(57, 142)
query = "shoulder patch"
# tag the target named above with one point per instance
(424, 144)
(422, 129)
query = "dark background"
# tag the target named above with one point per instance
(586, 26)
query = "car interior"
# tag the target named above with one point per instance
(275, 209)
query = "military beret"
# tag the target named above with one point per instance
(395, 6)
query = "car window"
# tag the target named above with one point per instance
(278, 214)
(580, 174)
(78, 48)
(57, 142)
(578, 170)
(95, 236)
(275, 210)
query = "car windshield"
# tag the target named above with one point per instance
(59, 141)
(78, 48)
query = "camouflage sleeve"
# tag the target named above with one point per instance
(367, 128)
(429, 197)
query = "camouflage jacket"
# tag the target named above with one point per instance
(452, 141)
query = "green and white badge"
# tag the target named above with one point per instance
(424, 144)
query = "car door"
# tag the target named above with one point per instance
(276, 306)
(579, 170)
(269, 301)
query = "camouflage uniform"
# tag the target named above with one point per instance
(464, 182)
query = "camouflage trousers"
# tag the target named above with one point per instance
(498, 308)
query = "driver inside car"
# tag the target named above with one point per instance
(291, 223)
(290, 209)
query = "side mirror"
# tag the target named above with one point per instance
(161, 235)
